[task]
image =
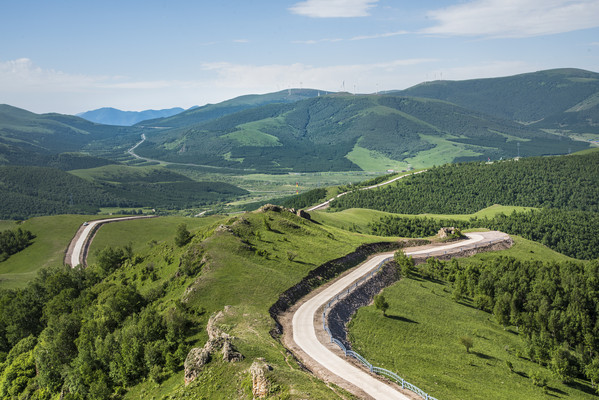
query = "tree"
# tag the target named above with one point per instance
(405, 264)
(183, 236)
(467, 342)
(381, 304)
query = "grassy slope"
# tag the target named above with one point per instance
(362, 217)
(425, 323)
(53, 235)
(141, 233)
(234, 275)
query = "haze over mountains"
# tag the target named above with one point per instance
(113, 116)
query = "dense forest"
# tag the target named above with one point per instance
(72, 331)
(573, 233)
(568, 182)
(31, 191)
(552, 305)
(14, 240)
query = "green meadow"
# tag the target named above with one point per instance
(420, 341)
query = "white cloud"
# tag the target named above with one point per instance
(514, 18)
(333, 8)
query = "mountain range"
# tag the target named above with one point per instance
(307, 130)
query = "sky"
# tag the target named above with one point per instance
(79, 55)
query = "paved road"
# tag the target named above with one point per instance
(304, 332)
(74, 255)
(326, 203)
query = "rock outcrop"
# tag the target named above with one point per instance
(260, 382)
(217, 341)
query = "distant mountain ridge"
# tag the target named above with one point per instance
(27, 138)
(212, 111)
(564, 99)
(114, 116)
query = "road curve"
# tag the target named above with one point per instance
(74, 253)
(304, 330)
(326, 203)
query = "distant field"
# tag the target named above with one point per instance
(53, 235)
(424, 322)
(358, 218)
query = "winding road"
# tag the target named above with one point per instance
(326, 203)
(75, 254)
(306, 319)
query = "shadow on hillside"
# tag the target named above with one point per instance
(483, 356)
(402, 319)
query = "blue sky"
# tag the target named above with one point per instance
(74, 56)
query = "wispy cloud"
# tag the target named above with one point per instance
(333, 8)
(514, 18)
(364, 37)
(380, 35)
(316, 41)
(241, 41)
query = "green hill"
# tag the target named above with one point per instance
(565, 182)
(213, 111)
(343, 132)
(27, 138)
(564, 99)
(32, 191)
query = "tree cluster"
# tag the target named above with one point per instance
(573, 233)
(13, 241)
(71, 333)
(570, 183)
(552, 305)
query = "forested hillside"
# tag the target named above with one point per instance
(558, 99)
(213, 111)
(567, 182)
(573, 233)
(324, 133)
(33, 191)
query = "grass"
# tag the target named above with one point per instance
(358, 218)
(249, 134)
(245, 265)
(420, 341)
(370, 160)
(143, 234)
(53, 235)
(444, 152)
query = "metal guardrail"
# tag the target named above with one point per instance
(350, 353)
